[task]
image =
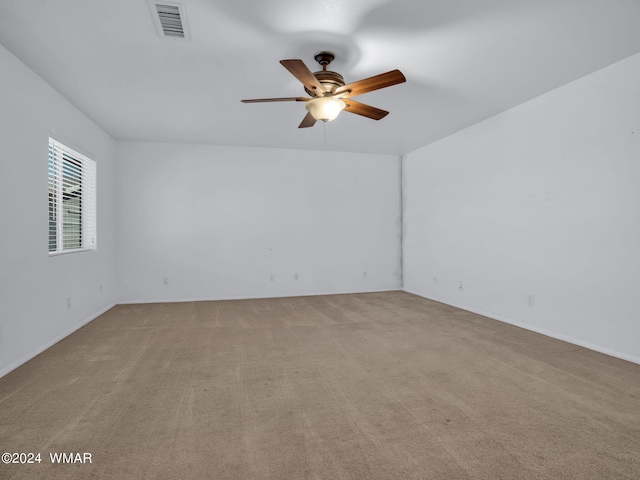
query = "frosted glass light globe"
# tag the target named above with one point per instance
(325, 109)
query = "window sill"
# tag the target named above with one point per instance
(69, 252)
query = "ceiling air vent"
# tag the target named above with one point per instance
(170, 19)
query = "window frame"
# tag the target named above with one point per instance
(72, 174)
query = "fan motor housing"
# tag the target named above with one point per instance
(330, 80)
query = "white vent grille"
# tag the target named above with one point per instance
(170, 19)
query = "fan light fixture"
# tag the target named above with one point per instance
(325, 109)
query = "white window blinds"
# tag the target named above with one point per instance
(72, 200)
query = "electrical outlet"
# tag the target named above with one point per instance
(364, 274)
(296, 277)
(460, 287)
(435, 280)
(101, 289)
(272, 278)
(68, 302)
(530, 300)
(165, 281)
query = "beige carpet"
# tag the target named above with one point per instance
(367, 386)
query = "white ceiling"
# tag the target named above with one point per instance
(465, 60)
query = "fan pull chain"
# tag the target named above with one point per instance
(324, 127)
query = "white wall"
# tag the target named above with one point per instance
(541, 200)
(33, 286)
(218, 222)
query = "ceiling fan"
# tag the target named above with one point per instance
(329, 93)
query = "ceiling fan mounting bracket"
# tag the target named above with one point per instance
(324, 58)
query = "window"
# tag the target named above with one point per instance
(72, 200)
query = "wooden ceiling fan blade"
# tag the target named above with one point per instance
(299, 70)
(370, 84)
(307, 121)
(364, 110)
(283, 99)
